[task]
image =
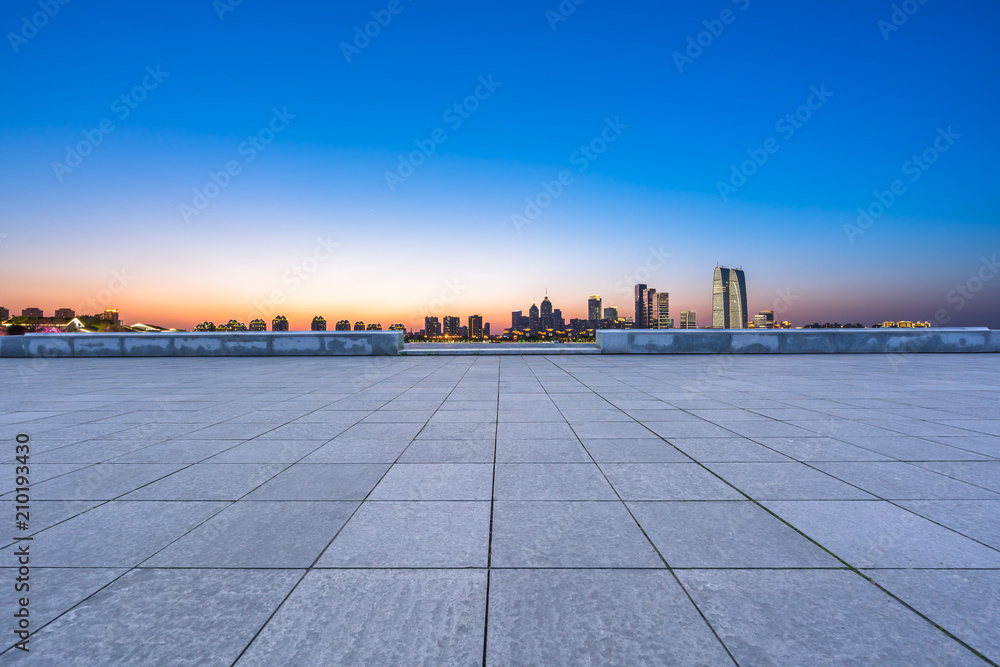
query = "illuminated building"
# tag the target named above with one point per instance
(318, 323)
(546, 313)
(374, 327)
(431, 326)
(451, 325)
(258, 325)
(66, 313)
(515, 319)
(689, 319)
(111, 315)
(594, 308)
(397, 327)
(764, 320)
(4, 314)
(32, 312)
(279, 323)
(729, 299)
(661, 311)
(611, 313)
(476, 327)
(534, 321)
(205, 326)
(343, 325)
(359, 326)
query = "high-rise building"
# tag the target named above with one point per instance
(343, 325)
(515, 319)
(640, 307)
(65, 313)
(205, 326)
(558, 322)
(475, 327)
(397, 327)
(611, 313)
(279, 323)
(374, 326)
(359, 326)
(451, 325)
(534, 322)
(486, 329)
(764, 319)
(4, 314)
(546, 313)
(594, 308)
(432, 327)
(258, 325)
(32, 312)
(318, 323)
(661, 311)
(729, 299)
(689, 319)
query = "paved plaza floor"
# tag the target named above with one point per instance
(508, 510)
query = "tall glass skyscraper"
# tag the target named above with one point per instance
(594, 308)
(546, 313)
(661, 311)
(729, 299)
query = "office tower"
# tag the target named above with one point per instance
(515, 319)
(343, 325)
(451, 325)
(689, 319)
(557, 319)
(660, 318)
(475, 327)
(258, 325)
(640, 307)
(486, 330)
(279, 323)
(65, 313)
(764, 319)
(534, 322)
(318, 323)
(32, 312)
(432, 327)
(729, 299)
(611, 313)
(359, 326)
(4, 313)
(374, 327)
(594, 308)
(546, 313)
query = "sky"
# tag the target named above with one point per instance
(385, 160)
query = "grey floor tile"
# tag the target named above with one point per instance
(974, 518)
(733, 449)
(322, 481)
(879, 534)
(699, 429)
(378, 617)
(603, 617)
(436, 481)
(820, 449)
(903, 481)
(209, 481)
(338, 451)
(176, 451)
(259, 534)
(568, 534)
(449, 451)
(785, 481)
(551, 481)
(117, 625)
(907, 448)
(667, 481)
(102, 482)
(816, 617)
(413, 534)
(612, 429)
(541, 451)
(635, 450)
(736, 534)
(540, 430)
(985, 474)
(267, 451)
(45, 513)
(53, 591)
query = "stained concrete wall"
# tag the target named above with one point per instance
(796, 341)
(207, 344)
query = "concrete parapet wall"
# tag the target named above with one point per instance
(796, 341)
(207, 344)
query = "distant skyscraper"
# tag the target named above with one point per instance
(279, 323)
(258, 325)
(374, 326)
(451, 325)
(359, 326)
(611, 313)
(557, 319)
(729, 299)
(534, 322)
(4, 313)
(432, 327)
(764, 319)
(546, 313)
(65, 313)
(661, 311)
(318, 323)
(645, 307)
(515, 319)
(594, 308)
(475, 327)
(32, 312)
(343, 325)
(486, 329)
(689, 319)
(397, 327)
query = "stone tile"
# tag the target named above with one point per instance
(984, 474)
(637, 450)
(107, 627)
(815, 617)
(667, 481)
(43, 514)
(413, 534)
(322, 481)
(602, 617)
(471, 431)
(699, 429)
(259, 534)
(737, 534)
(386, 451)
(879, 534)
(973, 518)
(176, 451)
(785, 481)
(377, 617)
(903, 481)
(209, 481)
(436, 481)
(449, 451)
(541, 451)
(733, 449)
(612, 429)
(101, 482)
(551, 481)
(963, 602)
(820, 449)
(768, 428)
(267, 451)
(367, 432)
(228, 431)
(539, 431)
(906, 448)
(568, 534)
(53, 591)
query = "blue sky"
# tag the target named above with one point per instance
(555, 85)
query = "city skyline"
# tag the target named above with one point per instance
(168, 178)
